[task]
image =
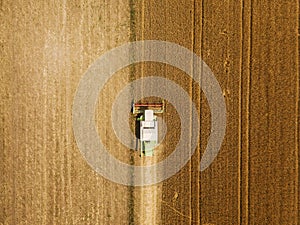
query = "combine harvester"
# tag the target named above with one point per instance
(145, 114)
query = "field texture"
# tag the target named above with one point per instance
(251, 46)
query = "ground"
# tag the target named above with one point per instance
(252, 47)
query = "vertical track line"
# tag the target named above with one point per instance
(200, 99)
(191, 122)
(250, 45)
(297, 123)
(198, 146)
(131, 203)
(240, 116)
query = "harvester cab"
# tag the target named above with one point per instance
(148, 125)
